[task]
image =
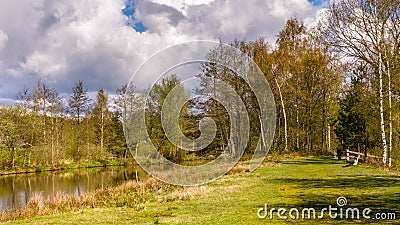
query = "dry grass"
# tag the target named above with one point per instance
(184, 193)
(242, 168)
(131, 194)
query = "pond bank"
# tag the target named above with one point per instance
(16, 191)
(69, 166)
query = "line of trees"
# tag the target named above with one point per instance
(336, 86)
(45, 129)
(324, 102)
(306, 80)
(368, 33)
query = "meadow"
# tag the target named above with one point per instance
(300, 182)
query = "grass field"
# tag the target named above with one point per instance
(235, 199)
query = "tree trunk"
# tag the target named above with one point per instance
(297, 127)
(44, 123)
(78, 137)
(88, 137)
(329, 137)
(323, 134)
(382, 118)
(52, 139)
(310, 132)
(390, 115)
(263, 144)
(13, 157)
(102, 130)
(57, 135)
(284, 115)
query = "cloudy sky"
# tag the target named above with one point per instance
(102, 42)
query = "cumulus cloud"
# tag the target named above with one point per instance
(42, 64)
(64, 41)
(228, 20)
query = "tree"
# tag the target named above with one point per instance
(305, 81)
(116, 140)
(369, 31)
(13, 130)
(78, 105)
(289, 45)
(350, 127)
(227, 65)
(56, 109)
(101, 115)
(129, 108)
(357, 126)
(155, 111)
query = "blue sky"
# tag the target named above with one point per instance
(318, 2)
(129, 11)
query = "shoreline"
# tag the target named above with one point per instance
(71, 166)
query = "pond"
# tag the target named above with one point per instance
(16, 190)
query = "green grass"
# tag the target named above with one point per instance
(235, 199)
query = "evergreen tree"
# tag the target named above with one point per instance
(78, 105)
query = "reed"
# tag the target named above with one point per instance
(131, 194)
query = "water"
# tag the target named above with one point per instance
(16, 190)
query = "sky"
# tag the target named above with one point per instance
(103, 42)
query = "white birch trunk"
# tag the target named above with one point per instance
(390, 116)
(382, 118)
(329, 137)
(284, 114)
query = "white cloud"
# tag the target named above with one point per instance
(6, 101)
(64, 41)
(223, 19)
(3, 39)
(69, 40)
(182, 5)
(42, 64)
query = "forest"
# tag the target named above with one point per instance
(335, 85)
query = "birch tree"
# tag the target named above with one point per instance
(369, 31)
(102, 115)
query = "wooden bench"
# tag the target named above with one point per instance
(354, 157)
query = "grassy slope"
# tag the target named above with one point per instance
(234, 199)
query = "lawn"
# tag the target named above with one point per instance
(235, 199)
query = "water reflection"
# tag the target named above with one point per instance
(15, 191)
